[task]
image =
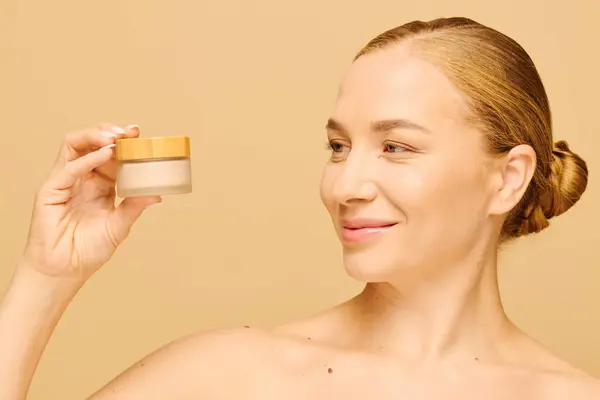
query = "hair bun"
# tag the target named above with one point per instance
(568, 180)
(563, 187)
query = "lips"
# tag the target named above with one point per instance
(360, 230)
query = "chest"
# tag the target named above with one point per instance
(330, 383)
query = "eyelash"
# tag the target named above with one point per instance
(329, 145)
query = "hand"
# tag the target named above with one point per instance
(75, 226)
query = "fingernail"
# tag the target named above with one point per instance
(132, 126)
(108, 146)
(154, 204)
(117, 130)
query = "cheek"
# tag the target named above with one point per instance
(457, 196)
(431, 193)
(405, 186)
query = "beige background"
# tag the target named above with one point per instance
(252, 83)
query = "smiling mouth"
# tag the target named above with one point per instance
(357, 234)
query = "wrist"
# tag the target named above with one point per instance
(30, 274)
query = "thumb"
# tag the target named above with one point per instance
(125, 214)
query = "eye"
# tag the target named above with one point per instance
(394, 148)
(333, 146)
(337, 149)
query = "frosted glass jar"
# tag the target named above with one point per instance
(153, 166)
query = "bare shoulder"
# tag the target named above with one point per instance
(590, 388)
(576, 386)
(200, 365)
(569, 383)
(553, 376)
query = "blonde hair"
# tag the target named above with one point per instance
(507, 101)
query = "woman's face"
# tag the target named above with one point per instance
(409, 184)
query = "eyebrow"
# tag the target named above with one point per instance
(380, 126)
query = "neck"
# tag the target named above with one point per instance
(459, 315)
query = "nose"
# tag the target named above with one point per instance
(354, 181)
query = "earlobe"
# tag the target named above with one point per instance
(516, 171)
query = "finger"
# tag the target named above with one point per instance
(132, 131)
(108, 171)
(93, 138)
(72, 171)
(126, 214)
(78, 143)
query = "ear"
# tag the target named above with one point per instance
(515, 171)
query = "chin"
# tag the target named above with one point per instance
(374, 265)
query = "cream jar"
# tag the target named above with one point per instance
(153, 166)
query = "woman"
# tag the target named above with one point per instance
(441, 150)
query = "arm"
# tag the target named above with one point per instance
(29, 312)
(74, 230)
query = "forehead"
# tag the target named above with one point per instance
(391, 83)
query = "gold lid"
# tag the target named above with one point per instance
(151, 148)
